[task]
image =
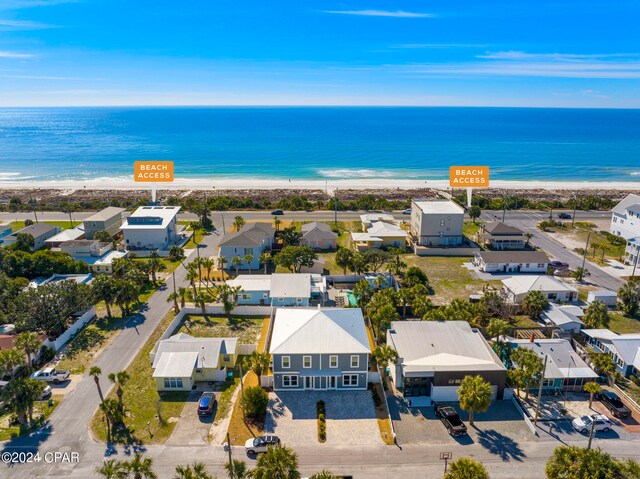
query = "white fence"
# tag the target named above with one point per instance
(521, 410)
(71, 331)
(246, 349)
(266, 381)
(374, 377)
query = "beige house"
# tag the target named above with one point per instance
(517, 287)
(108, 219)
(318, 236)
(182, 360)
(379, 235)
(98, 256)
(437, 223)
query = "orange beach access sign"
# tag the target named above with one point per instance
(469, 176)
(153, 171)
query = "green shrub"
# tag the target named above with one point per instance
(322, 422)
(255, 401)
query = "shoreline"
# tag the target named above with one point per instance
(327, 186)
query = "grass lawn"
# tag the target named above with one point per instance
(382, 416)
(239, 430)
(619, 323)
(524, 321)
(470, 229)
(41, 411)
(246, 328)
(330, 263)
(17, 225)
(448, 277)
(224, 401)
(168, 265)
(142, 400)
(579, 233)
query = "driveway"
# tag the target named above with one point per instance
(192, 429)
(499, 430)
(351, 417)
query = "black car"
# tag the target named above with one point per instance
(206, 403)
(564, 216)
(613, 403)
(277, 212)
(558, 265)
(451, 420)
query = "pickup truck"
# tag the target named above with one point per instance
(451, 420)
(51, 375)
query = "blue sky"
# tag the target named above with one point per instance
(361, 52)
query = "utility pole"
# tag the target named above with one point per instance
(242, 391)
(335, 207)
(35, 213)
(544, 370)
(224, 231)
(504, 206)
(230, 461)
(584, 256)
(593, 429)
(635, 264)
(575, 206)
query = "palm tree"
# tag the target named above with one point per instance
(196, 227)
(279, 462)
(111, 469)
(238, 222)
(396, 265)
(474, 395)
(228, 295)
(154, 263)
(182, 293)
(277, 222)
(237, 261)
(208, 264)
(192, 276)
(197, 471)
(20, 395)
(404, 297)
(528, 237)
(119, 379)
(139, 467)
(569, 462)
(465, 468)
(10, 359)
(248, 258)
(257, 362)
(95, 373)
(69, 208)
(105, 289)
(596, 315)
(221, 262)
(239, 469)
(580, 273)
(629, 298)
(324, 474)
(33, 392)
(534, 303)
(592, 388)
(173, 297)
(384, 355)
(29, 344)
(112, 414)
(265, 258)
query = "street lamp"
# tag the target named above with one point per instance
(575, 205)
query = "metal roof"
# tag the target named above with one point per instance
(439, 207)
(560, 315)
(67, 235)
(105, 214)
(290, 285)
(525, 283)
(427, 346)
(252, 282)
(513, 256)
(207, 350)
(319, 331)
(150, 217)
(175, 364)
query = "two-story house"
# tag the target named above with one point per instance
(152, 228)
(251, 241)
(319, 349)
(109, 219)
(625, 222)
(436, 223)
(500, 236)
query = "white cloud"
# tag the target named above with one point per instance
(14, 55)
(17, 4)
(567, 57)
(380, 13)
(438, 45)
(8, 25)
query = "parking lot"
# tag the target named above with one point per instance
(499, 430)
(192, 429)
(350, 415)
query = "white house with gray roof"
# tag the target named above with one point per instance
(39, 231)
(319, 349)
(516, 288)
(511, 261)
(435, 356)
(623, 348)
(625, 222)
(279, 289)
(567, 317)
(252, 240)
(152, 228)
(436, 223)
(182, 360)
(108, 219)
(318, 236)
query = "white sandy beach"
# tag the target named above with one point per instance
(200, 184)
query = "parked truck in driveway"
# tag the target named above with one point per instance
(51, 375)
(449, 417)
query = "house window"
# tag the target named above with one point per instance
(355, 361)
(226, 358)
(173, 383)
(265, 295)
(286, 362)
(552, 295)
(441, 222)
(306, 361)
(453, 381)
(350, 380)
(281, 300)
(289, 381)
(246, 296)
(333, 361)
(248, 251)
(540, 265)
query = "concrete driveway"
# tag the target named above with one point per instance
(499, 430)
(192, 429)
(351, 417)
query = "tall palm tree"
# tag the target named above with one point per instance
(196, 471)
(208, 264)
(196, 227)
(238, 222)
(257, 362)
(629, 298)
(385, 354)
(265, 258)
(112, 414)
(140, 467)
(105, 289)
(119, 379)
(279, 462)
(465, 468)
(173, 297)
(10, 359)
(277, 221)
(29, 344)
(69, 208)
(528, 237)
(111, 469)
(182, 293)
(474, 395)
(155, 264)
(534, 303)
(237, 261)
(239, 469)
(192, 276)
(95, 373)
(248, 258)
(592, 388)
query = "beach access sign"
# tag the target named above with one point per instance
(153, 171)
(469, 176)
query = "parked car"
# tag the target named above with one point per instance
(564, 216)
(277, 212)
(407, 211)
(558, 265)
(583, 424)
(260, 444)
(46, 392)
(451, 420)
(613, 403)
(51, 375)
(206, 404)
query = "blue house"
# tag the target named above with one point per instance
(280, 289)
(319, 349)
(252, 240)
(623, 348)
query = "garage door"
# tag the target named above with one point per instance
(450, 393)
